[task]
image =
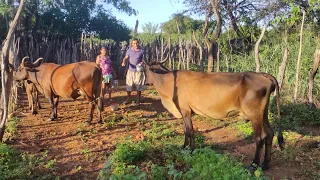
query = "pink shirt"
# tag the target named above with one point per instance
(105, 65)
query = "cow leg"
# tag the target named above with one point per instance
(55, 106)
(257, 127)
(37, 100)
(91, 106)
(51, 117)
(92, 103)
(188, 129)
(99, 108)
(34, 102)
(30, 101)
(268, 143)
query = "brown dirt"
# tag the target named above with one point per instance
(80, 150)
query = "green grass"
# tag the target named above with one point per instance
(16, 165)
(160, 156)
(11, 128)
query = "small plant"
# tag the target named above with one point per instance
(50, 164)
(15, 165)
(245, 128)
(110, 123)
(159, 172)
(11, 128)
(119, 164)
(78, 169)
(80, 128)
(86, 152)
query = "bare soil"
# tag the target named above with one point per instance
(81, 150)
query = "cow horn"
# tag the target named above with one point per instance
(23, 59)
(37, 61)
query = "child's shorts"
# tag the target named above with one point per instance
(107, 78)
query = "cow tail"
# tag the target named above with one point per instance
(280, 136)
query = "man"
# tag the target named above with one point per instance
(135, 80)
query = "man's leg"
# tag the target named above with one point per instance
(129, 84)
(138, 97)
(103, 88)
(128, 97)
(109, 90)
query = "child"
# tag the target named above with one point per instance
(106, 67)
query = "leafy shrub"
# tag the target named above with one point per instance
(14, 165)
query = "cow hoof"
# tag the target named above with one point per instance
(100, 121)
(252, 168)
(34, 112)
(50, 119)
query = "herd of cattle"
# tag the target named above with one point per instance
(215, 95)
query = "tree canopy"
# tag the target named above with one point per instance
(70, 17)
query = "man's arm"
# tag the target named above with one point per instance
(124, 61)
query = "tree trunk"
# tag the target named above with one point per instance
(216, 34)
(180, 47)
(200, 51)
(282, 68)
(298, 62)
(232, 18)
(6, 72)
(312, 75)
(256, 49)
(135, 29)
(227, 63)
(218, 59)
(169, 50)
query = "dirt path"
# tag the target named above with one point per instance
(80, 150)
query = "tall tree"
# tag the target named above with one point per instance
(6, 71)
(150, 28)
(68, 17)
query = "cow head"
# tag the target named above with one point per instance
(25, 67)
(154, 67)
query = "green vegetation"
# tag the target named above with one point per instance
(11, 128)
(159, 157)
(16, 165)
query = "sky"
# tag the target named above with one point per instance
(155, 11)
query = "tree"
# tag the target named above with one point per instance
(149, 33)
(150, 28)
(6, 71)
(107, 26)
(186, 24)
(68, 18)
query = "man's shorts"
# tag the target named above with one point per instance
(135, 81)
(107, 78)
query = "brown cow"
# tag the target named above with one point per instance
(66, 81)
(219, 96)
(33, 98)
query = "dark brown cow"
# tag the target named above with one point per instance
(33, 98)
(66, 81)
(219, 96)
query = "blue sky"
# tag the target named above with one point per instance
(155, 11)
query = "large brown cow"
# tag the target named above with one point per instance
(219, 96)
(66, 81)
